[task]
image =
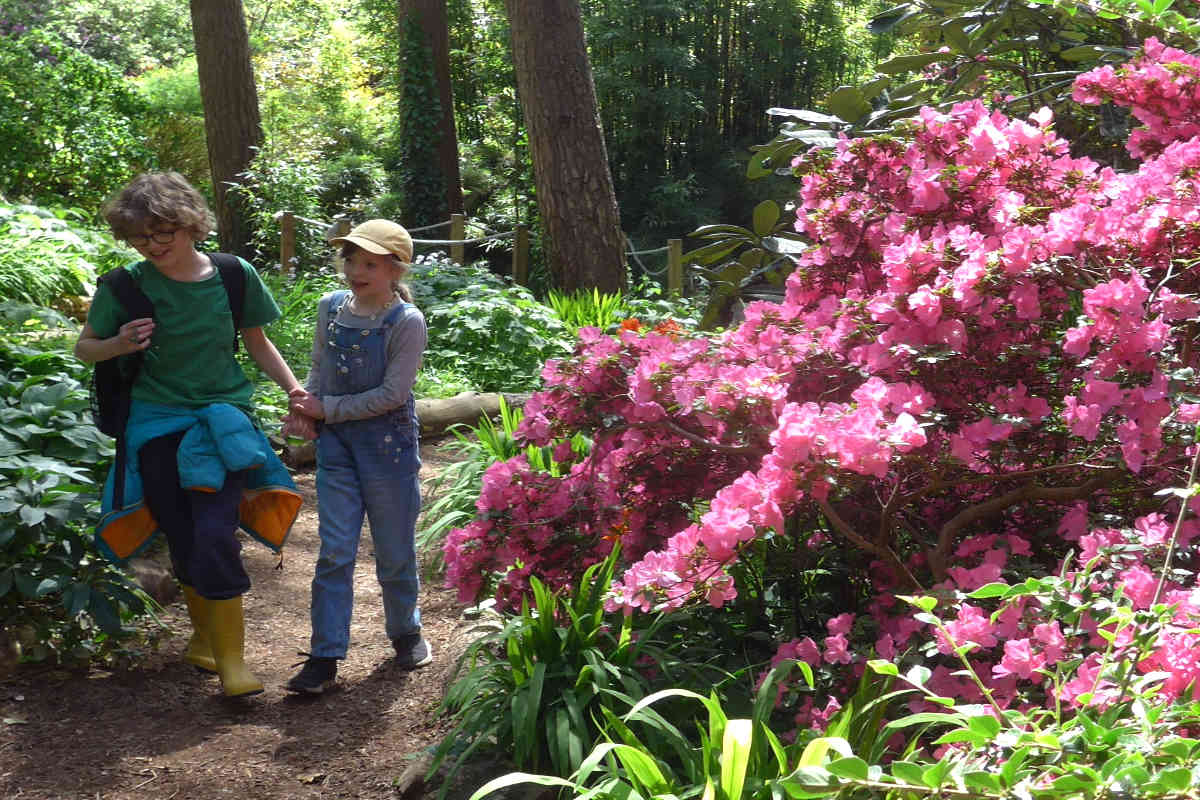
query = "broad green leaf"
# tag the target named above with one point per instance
(735, 756)
(911, 63)
(816, 751)
(918, 675)
(908, 772)
(848, 103)
(989, 590)
(642, 768)
(853, 768)
(882, 667)
(516, 778)
(766, 215)
(808, 781)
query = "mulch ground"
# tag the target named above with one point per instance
(160, 729)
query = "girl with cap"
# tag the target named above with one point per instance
(358, 405)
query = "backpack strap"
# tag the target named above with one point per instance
(137, 305)
(131, 297)
(234, 278)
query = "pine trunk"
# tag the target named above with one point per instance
(584, 244)
(231, 117)
(432, 16)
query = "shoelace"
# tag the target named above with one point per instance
(307, 658)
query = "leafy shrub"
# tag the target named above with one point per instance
(45, 255)
(535, 689)
(174, 120)
(349, 185)
(52, 463)
(285, 181)
(727, 758)
(582, 308)
(496, 333)
(69, 125)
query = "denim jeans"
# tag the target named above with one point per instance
(369, 467)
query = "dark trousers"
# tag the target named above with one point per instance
(201, 527)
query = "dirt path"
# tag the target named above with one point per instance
(162, 730)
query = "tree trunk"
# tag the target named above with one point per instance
(231, 118)
(432, 16)
(584, 244)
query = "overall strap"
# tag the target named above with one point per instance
(397, 313)
(233, 276)
(337, 300)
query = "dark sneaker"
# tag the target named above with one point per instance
(317, 675)
(412, 651)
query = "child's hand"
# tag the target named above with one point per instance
(134, 335)
(299, 426)
(306, 404)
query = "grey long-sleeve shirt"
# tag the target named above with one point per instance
(405, 344)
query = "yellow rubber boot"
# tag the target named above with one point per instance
(199, 651)
(227, 635)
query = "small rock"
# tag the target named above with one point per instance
(411, 783)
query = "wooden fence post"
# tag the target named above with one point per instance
(458, 229)
(287, 242)
(520, 269)
(675, 266)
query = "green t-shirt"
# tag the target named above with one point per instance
(190, 360)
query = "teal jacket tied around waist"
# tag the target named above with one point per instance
(220, 439)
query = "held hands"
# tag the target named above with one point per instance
(301, 421)
(302, 402)
(299, 426)
(134, 336)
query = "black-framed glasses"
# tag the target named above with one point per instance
(161, 237)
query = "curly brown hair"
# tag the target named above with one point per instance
(158, 198)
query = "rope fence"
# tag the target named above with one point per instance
(457, 245)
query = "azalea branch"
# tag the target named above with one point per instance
(883, 551)
(700, 441)
(994, 505)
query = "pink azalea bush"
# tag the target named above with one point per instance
(979, 366)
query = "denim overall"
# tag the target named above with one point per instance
(365, 465)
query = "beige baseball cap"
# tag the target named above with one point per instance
(380, 236)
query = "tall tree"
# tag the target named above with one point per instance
(584, 243)
(431, 16)
(231, 117)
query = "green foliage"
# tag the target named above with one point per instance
(174, 120)
(53, 584)
(537, 688)
(762, 253)
(69, 125)
(420, 177)
(682, 88)
(726, 759)
(132, 35)
(583, 308)
(496, 333)
(349, 186)
(279, 181)
(46, 255)
(1019, 56)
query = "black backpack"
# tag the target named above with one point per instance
(112, 380)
